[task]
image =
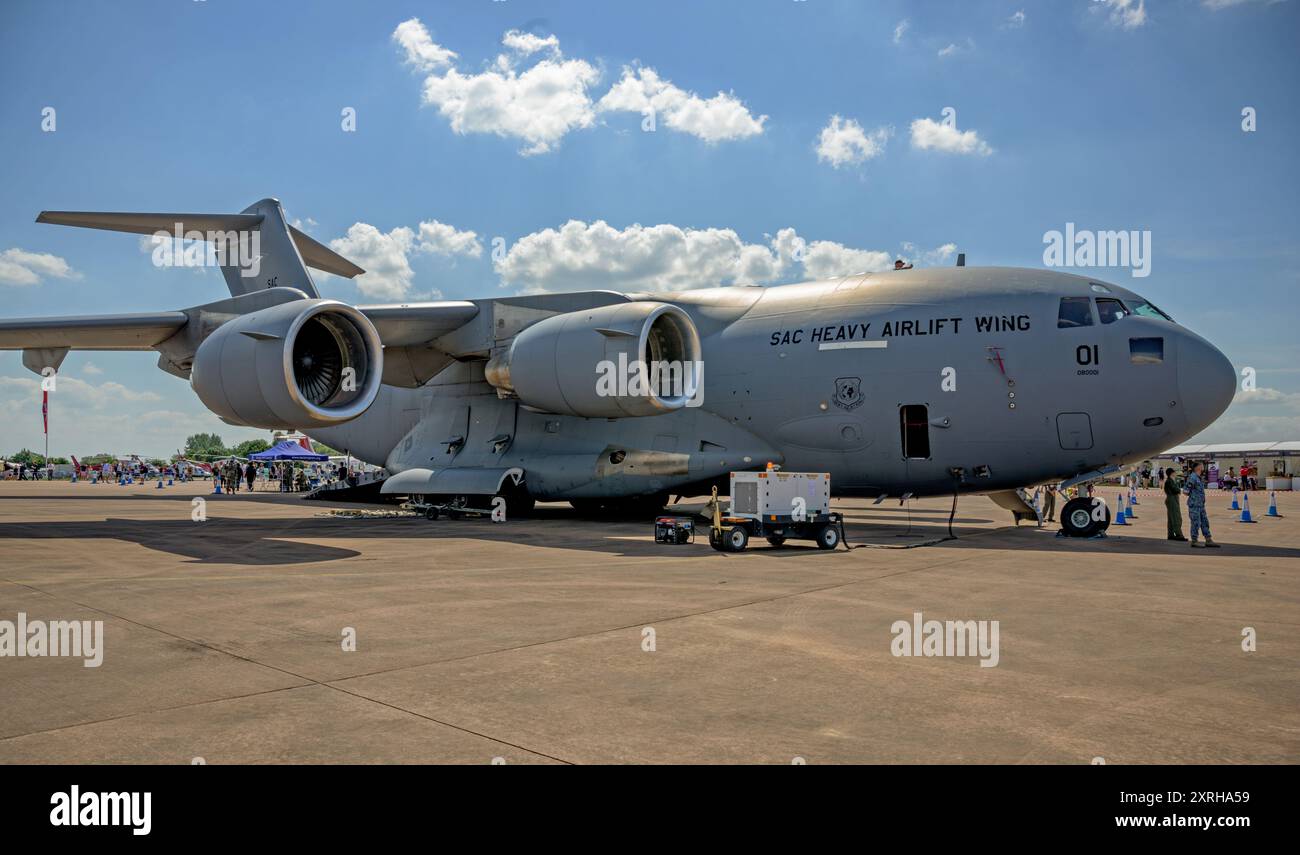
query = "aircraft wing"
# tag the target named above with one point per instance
(405, 331)
(91, 332)
(418, 323)
(398, 326)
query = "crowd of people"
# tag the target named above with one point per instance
(1244, 479)
(287, 476)
(234, 475)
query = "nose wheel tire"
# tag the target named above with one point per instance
(1085, 517)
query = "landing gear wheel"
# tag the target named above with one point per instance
(828, 537)
(1085, 517)
(777, 540)
(431, 513)
(736, 540)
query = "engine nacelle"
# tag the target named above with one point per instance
(627, 359)
(302, 364)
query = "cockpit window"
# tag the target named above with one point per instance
(1074, 312)
(1143, 309)
(1110, 310)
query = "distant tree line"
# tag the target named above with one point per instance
(200, 446)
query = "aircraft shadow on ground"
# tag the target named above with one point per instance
(277, 542)
(272, 542)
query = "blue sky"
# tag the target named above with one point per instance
(1110, 115)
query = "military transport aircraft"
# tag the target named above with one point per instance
(937, 381)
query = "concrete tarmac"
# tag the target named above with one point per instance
(562, 640)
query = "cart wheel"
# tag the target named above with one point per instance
(431, 513)
(777, 540)
(736, 540)
(828, 537)
(715, 540)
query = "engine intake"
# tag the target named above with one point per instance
(303, 364)
(627, 359)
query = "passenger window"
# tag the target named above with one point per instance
(1074, 312)
(915, 425)
(1146, 351)
(1109, 310)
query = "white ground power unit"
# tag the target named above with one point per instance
(778, 506)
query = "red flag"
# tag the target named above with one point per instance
(45, 410)
(305, 442)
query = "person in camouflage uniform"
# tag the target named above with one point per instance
(1194, 487)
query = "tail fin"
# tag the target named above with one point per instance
(280, 254)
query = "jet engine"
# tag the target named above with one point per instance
(627, 359)
(302, 364)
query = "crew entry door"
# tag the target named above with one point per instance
(1074, 430)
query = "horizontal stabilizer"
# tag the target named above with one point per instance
(314, 253)
(318, 256)
(147, 224)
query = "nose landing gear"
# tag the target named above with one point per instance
(1085, 517)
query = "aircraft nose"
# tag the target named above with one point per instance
(1206, 381)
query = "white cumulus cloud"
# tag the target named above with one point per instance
(442, 239)
(825, 259)
(581, 256)
(722, 117)
(527, 43)
(386, 256)
(531, 92)
(929, 135)
(420, 49)
(20, 267)
(539, 104)
(844, 142)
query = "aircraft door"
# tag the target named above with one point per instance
(1074, 430)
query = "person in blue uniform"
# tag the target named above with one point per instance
(1194, 487)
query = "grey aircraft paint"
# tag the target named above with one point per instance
(814, 377)
(915, 381)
